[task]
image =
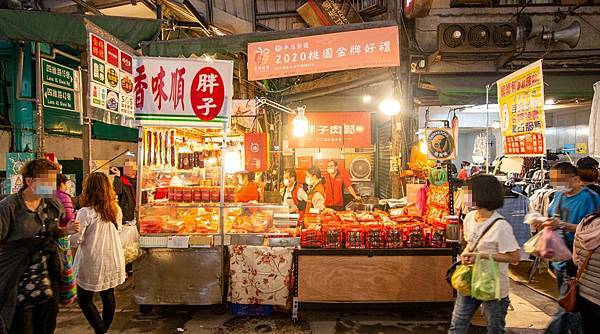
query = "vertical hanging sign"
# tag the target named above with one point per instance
(111, 77)
(521, 104)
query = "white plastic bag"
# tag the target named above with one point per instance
(130, 240)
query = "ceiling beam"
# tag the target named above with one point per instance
(334, 79)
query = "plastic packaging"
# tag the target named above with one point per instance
(552, 247)
(485, 282)
(461, 279)
(130, 240)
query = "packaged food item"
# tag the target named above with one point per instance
(412, 235)
(355, 236)
(375, 236)
(187, 194)
(394, 237)
(311, 238)
(438, 236)
(333, 236)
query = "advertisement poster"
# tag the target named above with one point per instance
(333, 130)
(14, 163)
(111, 77)
(521, 104)
(256, 152)
(181, 91)
(367, 48)
(441, 143)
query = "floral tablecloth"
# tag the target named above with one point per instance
(260, 274)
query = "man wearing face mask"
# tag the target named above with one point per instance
(571, 203)
(249, 190)
(335, 183)
(289, 192)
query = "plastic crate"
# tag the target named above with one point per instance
(251, 310)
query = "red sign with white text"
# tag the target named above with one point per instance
(256, 152)
(126, 63)
(98, 47)
(333, 130)
(367, 48)
(112, 55)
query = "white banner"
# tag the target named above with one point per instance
(182, 91)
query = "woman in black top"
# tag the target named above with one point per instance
(29, 263)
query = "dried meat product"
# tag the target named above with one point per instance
(151, 225)
(412, 235)
(172, 142)
(311, 238)
(438, 235)
(333, 236)
(394, 237)
(155, 149)
(375, 236)
(355, 236)
(363, 216)
(172, 226)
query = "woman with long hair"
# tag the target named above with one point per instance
(99, 262)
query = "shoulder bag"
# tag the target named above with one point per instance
(569, 300)
(471, 249)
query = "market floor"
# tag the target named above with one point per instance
(324, 319)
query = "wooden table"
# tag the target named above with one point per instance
(410, 275)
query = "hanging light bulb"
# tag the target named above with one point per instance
(389, 107)
(300, 124)
(233, 161)
(366, 98)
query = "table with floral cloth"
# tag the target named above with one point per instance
(260, 274)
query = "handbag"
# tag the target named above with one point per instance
(569, 300)
(452, 269)
(67, 282)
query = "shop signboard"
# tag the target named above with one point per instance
(180, 91)
(441, 143)
(521, 104)
(333, 130)
(111, 77)
(256, 152)
(58, 75)
(378, 47)
(317, 13)
(58, 98)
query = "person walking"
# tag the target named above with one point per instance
(586, 245)
(489, 236)
(571, 203)
(29, 261)
(99, 261)
(65, 199)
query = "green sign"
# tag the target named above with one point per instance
(59, 98)
(57, 74)
(98, 71)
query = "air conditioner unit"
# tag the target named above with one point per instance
(476, 38)
(360, 166)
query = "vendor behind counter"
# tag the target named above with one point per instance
(249, 189)
(336, 181)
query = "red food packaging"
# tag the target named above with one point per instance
(355, 236)
(412, 235)
(205, 195)
(333, 236)
(394, 237)
(438, 235)
(171, 194)
(197, 196)
(178, 194)
(311, 238)
(375, 235)
(215, 194)
(187, 194)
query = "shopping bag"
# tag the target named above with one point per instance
(461, 279)
(130, 241)
(485, 281)
(552, 246)
(531, 245)
(67, 282)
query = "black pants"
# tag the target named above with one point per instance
(85, 299)
(39, 319)
(590, 315)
